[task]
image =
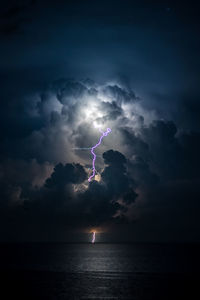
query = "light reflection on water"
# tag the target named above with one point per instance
(98, 271)
(100, 257)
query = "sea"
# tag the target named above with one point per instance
(99, 271)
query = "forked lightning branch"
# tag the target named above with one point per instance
(94, 155)
(103, 134)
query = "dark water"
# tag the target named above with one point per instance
(99, 271)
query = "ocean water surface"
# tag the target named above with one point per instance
(99, 271)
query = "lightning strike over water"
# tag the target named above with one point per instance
(93, 237)
(94, 155)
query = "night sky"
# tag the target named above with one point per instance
(70, 68)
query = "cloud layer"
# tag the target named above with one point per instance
(44, 170)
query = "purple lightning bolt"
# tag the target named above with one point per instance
(94, 155)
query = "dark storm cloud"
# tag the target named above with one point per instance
(163, 147)
(118, 181)
(137, 144)
(114, 158)
(142, 173)
(70, 90)
(99, 202)
(70, 173)
(99, 207)
(174, 155)
(17, 177)
(58, 200)
(119, 94)
(156, 153)
(170, 153)
(170, 212)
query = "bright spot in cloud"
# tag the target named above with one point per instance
(92, 114)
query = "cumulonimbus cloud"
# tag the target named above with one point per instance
(142, 152)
